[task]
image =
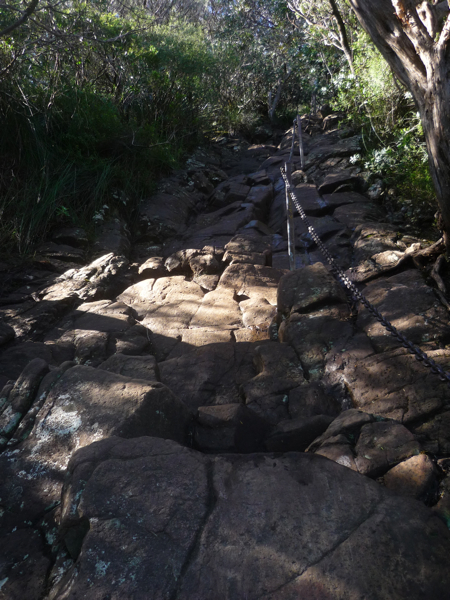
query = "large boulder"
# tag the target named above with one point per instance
(84, 405)
(393, 384)
(410, 305)
(147, 518)
(304, 290)
(209, 375)
(279, 371)
(167, 306)
(95, 281)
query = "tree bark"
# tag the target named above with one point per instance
(421, 62)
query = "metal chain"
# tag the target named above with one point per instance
(356, 295)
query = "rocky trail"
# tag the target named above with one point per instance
(182, 417)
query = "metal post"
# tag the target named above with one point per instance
(290, 220)
(300, 143)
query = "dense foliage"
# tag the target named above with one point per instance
(99, 98)
(384, 112)
(93, 105)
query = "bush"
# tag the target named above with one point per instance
(391, 130)
(87, 124)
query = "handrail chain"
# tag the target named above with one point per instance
(345, 282)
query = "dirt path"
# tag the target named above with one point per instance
(184, 418)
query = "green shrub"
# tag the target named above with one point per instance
(392, 135)
(86, 124)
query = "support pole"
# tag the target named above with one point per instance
(300, 143)
(290, 221)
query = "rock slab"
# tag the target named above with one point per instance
(168, 522)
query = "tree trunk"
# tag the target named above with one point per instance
(343, 38)
(273, 102)
(434, 108)
(418, 52)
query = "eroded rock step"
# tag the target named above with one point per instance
(155, 418)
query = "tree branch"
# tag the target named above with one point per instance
(343, 35)
(340, 23)
(28, 11)
(324, 22)
(444, 38)
(407, 13)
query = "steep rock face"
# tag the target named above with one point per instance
(185, 418)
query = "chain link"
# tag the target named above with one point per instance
(355, 295)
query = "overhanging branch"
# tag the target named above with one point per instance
(27, 12)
